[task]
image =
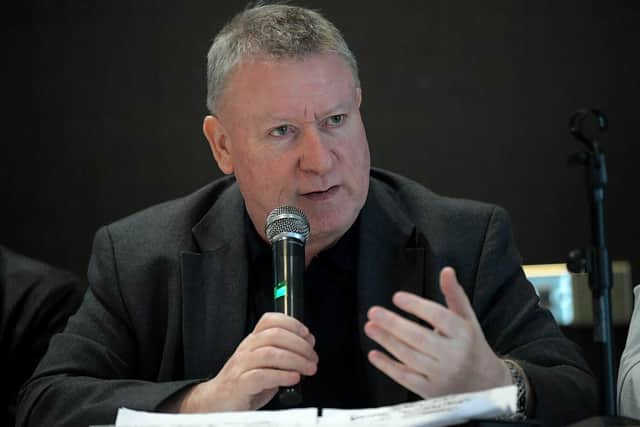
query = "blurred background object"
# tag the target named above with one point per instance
(568, 297)
(36, 300)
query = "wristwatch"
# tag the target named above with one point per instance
(520, 381)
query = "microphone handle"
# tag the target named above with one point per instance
(288, 295)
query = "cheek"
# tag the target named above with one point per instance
(263, 179)
(252, 177)
(356, 153)
(357, 165)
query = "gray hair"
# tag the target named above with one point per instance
(276, 31)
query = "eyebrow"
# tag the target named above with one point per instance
(268, 116)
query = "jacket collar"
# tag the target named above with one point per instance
(391, 257)
(215, 287)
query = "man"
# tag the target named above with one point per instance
(177, 316)
(36, 300)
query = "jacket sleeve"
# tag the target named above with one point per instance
(94, 367)
(629, 372)
(518, 328)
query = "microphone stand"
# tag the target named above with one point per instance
(594, 259)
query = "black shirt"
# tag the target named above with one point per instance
(330, 314)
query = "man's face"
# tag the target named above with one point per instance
(291, 132)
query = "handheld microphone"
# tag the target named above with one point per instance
(287, 228)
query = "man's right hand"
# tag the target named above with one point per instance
(275, 354)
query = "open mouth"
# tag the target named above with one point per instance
(322, 195)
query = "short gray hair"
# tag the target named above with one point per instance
(276, 31)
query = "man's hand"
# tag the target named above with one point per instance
(454, 357)
(276, 353)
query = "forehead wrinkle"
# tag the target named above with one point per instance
(309, 114)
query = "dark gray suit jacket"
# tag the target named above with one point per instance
(168, 293)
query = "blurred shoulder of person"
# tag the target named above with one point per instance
(629, 372)
(36, 300)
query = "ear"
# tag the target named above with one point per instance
(219, 143)
(358, 96)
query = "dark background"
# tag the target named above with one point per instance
(103, 104)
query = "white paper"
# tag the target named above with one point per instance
(441, 411)
(288, 418)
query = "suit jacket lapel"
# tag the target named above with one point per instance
(391, 258)
(215, 288)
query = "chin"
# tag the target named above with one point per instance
(329, 228)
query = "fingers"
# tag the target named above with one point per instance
(279, 342)
(443, 320)
(275, 354)
(283, 331)
(259, 380)
(454, 295)
(276, 358)
(448, 321)
(416, 354)
(384, 324)
(402, 374)
(452, 357)
(283, 339)
(280, 320)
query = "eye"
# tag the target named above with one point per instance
(335, 120)
(281, 130)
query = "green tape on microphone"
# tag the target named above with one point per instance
(280, 290)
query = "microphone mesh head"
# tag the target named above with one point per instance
(287, 219)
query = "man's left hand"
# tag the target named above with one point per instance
(453, 357)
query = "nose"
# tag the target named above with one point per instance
(316, 156)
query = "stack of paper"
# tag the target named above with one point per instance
(441, 411)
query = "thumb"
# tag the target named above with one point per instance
(454, 294)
